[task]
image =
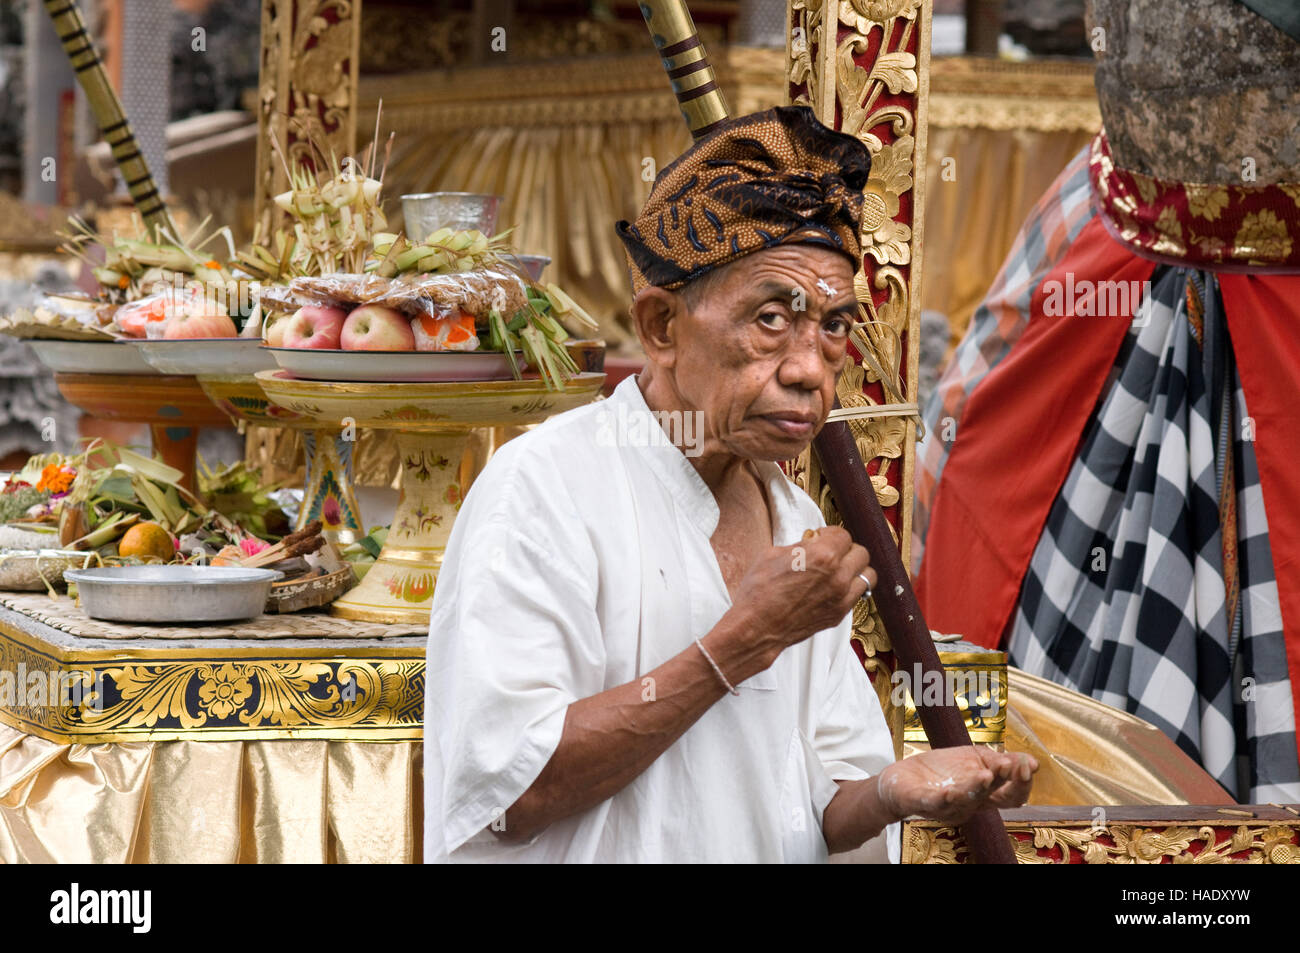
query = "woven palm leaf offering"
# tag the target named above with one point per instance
(372, 305)
(114, 506)
(154, 289)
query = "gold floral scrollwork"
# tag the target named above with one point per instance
(922, 845)
(862, 62)
(345, 698)
(804, 71)
(884, 238)
(1264, 236)
(1063, 843)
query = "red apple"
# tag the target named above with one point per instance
(315, 326)
(376, 328)
(199, 319)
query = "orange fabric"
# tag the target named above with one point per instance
(1264, 323)
(1014, 446)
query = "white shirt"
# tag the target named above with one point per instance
(576, 565)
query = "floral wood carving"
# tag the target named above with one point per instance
(307, 90)
(862, 65)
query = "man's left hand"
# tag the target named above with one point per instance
(951, 784)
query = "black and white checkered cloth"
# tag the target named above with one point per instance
(1124, 599)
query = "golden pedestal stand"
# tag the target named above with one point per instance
(433, 421)
(328, 495)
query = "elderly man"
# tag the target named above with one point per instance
(636, 653)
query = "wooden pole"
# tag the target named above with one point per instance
(703, 107)
(945, 727)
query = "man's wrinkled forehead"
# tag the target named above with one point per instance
(787, 267)
(803, 280)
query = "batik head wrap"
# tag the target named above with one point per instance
(757, 181)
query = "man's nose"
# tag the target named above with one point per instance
(803, 364)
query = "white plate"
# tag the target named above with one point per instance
(318, 364)
(92, 357)
(207, 355)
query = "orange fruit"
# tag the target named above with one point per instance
(147, 541)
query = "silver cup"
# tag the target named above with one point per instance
(426, 212)
(533, 265)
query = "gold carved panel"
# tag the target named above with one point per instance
(1244, 834)
(307, 88)
(863, 66)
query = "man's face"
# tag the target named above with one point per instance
(761, 349)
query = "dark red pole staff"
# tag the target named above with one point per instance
(703, 107)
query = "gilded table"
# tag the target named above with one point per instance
(254, 748)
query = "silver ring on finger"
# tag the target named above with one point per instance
(867, 594)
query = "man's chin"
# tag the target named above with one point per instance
(774, 451)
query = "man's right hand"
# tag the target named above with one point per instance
(791, 592)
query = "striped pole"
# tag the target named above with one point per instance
(107, 108)
(674, 35)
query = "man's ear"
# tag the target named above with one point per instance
(655, 313)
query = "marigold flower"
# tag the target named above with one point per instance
(56, 479)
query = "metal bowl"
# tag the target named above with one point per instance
(173, 594)
(426, 212)
(225, 356)
(533, 265)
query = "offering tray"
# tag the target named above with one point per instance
(174, 407)
(37, 570)
(392, 366)
(433, 421)
(202, 356)
(92, 357)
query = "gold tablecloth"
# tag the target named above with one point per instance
(209, 801)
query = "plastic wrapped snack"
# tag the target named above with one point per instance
(475, 292)
(446, 330)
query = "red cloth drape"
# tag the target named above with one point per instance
(1015, 443)
(1264, 323)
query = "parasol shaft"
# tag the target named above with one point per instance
(107, 108)
(696, 87)
(944, 724)
(703, 107)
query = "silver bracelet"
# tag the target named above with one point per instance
(714, 665)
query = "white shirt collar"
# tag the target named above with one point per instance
(688, 488)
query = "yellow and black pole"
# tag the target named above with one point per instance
(674, 35)
(107, 108)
